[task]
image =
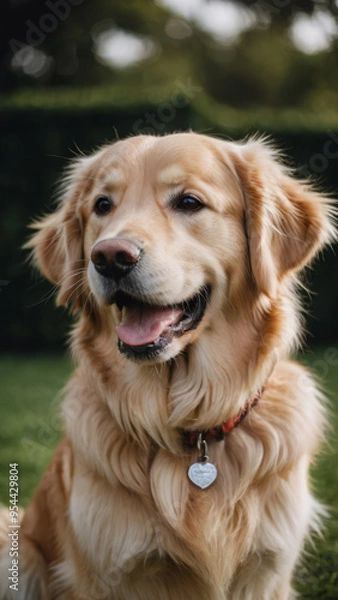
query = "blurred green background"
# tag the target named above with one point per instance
(78, 73)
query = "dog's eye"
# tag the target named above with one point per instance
(102, 205)
(188, 203)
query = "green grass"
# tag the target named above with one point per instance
(317, 577)
(29, 426)
(30, 430)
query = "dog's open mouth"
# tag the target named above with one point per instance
(146, 329)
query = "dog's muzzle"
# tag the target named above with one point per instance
(115, 258)
(146, 328)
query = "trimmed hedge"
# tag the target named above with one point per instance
(39, 135)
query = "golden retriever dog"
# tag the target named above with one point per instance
(188, 433)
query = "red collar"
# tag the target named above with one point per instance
(219, 433)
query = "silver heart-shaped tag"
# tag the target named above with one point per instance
(202, 474)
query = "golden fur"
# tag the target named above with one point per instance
(115, 516)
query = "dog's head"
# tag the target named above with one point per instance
(168, 235)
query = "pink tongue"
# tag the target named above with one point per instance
(144, 324)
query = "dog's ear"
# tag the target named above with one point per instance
(57, 246)
(286, 221)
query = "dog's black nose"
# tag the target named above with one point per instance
(115, 257)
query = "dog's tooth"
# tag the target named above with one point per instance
(117, 313)
(123, 314)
